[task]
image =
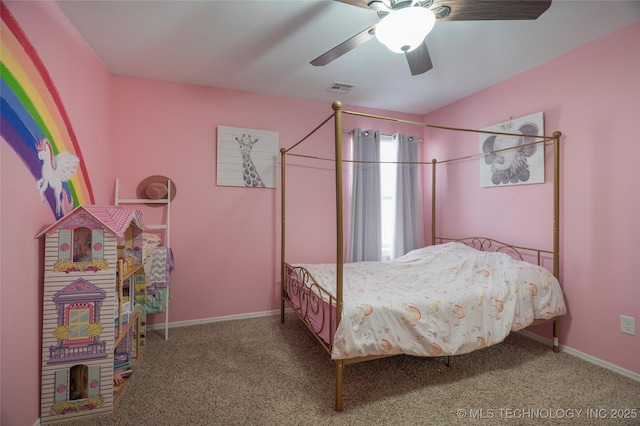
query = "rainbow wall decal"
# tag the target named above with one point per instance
(35, 124)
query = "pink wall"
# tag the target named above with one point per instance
(226, 240)
(591, 95)
(149, 127)
(83, 85)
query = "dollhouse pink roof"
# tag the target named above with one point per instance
(114, 218)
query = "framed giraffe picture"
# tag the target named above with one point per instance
(247, 157)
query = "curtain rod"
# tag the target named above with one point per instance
(411, 138)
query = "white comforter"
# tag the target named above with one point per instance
(445, 299)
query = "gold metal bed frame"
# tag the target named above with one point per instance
(297, 282)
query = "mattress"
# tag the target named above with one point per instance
(446, 299)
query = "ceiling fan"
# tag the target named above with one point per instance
(400, 16)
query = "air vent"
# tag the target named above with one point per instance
(341, 88)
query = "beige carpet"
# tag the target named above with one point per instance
(260, 372)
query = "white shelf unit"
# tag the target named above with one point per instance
(166, 227)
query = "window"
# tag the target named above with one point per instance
(79, 320)
(384, 223)
(78, 382)
(82, 251)
(388, 157)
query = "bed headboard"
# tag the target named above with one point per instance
(489, 244)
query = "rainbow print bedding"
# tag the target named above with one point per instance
(445, 299)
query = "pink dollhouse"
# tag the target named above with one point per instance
(80, 293)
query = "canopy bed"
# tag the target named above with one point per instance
(452, 297)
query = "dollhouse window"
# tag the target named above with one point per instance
(82, 245)
(74, 384)
(79, 318)
(78, 382)
(80, 249)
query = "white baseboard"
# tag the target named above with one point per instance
(584, 356)
(214, 319)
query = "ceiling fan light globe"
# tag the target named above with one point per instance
(405, 29)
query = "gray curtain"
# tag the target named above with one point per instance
(409, 232)
(365, 235)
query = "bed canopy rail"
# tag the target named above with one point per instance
(311, 298)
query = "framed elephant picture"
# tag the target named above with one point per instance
(513, 160)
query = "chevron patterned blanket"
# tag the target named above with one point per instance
(160, 264)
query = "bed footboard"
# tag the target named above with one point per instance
(315, 306)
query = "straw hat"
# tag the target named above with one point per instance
(155, 188)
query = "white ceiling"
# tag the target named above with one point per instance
(265, 46)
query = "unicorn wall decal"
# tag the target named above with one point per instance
(56, 169)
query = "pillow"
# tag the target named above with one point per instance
(151, 240)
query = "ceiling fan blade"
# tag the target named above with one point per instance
(419, 59)
(358, 3)
(346, 46)
(491, 10)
